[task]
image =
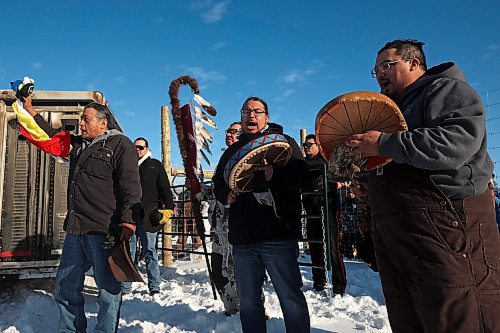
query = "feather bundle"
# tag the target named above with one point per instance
(189, 123)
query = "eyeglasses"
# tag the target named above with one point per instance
(385, 66)
(139, 147)
(257, 112)
(232, 131)
(308, 144)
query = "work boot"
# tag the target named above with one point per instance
(153, 292)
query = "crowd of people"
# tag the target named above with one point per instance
(431, 213)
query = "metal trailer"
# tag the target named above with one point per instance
(33, 186)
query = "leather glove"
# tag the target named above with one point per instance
(25, 91)
(167, 215)
(159, 217)
(128, 229)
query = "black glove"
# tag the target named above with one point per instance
(112, 239)
(25, 91)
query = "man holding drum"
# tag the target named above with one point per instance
(264, 216)
(436, 241)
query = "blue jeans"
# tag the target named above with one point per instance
(279, 258)
(150, 254)
(80, 253)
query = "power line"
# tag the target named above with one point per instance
(489, 91)
(490, 105)
(491, 99)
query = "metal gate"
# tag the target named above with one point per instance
(185, 236)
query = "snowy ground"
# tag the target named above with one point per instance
(185, 304)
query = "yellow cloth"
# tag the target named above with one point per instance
(29, 124)
(167, 215)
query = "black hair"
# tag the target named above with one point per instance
(103, 112)
(141, 138)
(408, 49)
(257, 99)
(310, 136)
(235, 123)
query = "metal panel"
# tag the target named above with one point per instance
(3, 139)
(20, 189)
(59, 173)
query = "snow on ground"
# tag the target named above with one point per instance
(186, 304)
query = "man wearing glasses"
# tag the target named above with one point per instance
(222, 261)
(312, 205)
(233, 132)
(436, 241)
(155, 194)
(262, 240)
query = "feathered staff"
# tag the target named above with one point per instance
(192, 138)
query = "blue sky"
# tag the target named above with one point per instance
(297, 55)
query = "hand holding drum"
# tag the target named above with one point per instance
(357, 119)
(260, 154)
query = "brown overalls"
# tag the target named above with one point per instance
(439, 260)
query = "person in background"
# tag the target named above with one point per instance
(104, 207)
(349, 221)
(497, 209)
(222, 258)
(233, 133)
(435, 235)
(314, 227)
(156, 194)
(264, 239)
(496, 198)
(366, 250)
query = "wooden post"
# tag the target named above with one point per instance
(165, 151)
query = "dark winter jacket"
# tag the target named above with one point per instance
(103, 184)
(251, 222)
(447, 133)
(155, 190)
(314, 183)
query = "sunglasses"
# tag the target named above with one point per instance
(232, 131)
(141, 148)
(309, 144)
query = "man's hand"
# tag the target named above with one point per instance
(366, 144)
(268, 171)
(231, 197)
(128, 230)
(267, 168)
(28, 106)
